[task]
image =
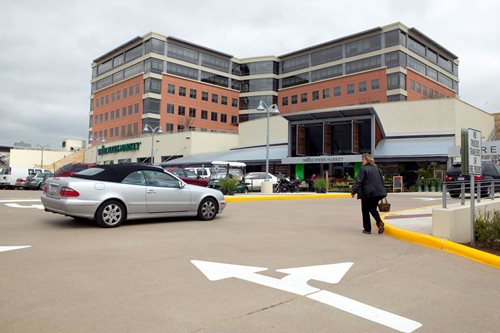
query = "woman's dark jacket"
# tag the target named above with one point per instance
(369, 183)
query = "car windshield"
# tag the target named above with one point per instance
(190, 174)
(90, 172)
(220, 173)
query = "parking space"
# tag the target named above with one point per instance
(165, 275)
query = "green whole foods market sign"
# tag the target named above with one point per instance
(118, 148)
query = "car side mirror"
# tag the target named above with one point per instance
(181, 184)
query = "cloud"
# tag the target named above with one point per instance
(48, 46)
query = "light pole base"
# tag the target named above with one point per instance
(266, 187)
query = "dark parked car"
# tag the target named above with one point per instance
(454, 179)
(188, 176)
(72, 168)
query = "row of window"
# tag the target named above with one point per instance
(204, 95)
(126, 130)
(115, 114)
(214, 116)
(337, 91)
(422, 89)
(116, 96)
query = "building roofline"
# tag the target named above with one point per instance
(175, 39)
(131, 42)
(432, 42)
(341, 39)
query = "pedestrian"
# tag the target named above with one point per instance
(369, 187)
(311, 182)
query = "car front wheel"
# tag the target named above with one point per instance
(110, 214)
(207, 209)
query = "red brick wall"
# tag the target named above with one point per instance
(344, 99)
(198, 104)
(429, 84)
(119, 104)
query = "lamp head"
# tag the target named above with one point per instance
(159, 130)
(261, 106)
(274, 109)
(145, 129)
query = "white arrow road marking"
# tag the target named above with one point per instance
(14, 205)
(296, 282)
(427, 199)
(19, 200)
(382, 317)
(11, 248)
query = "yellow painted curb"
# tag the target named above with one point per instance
(441, 244)
(285, 197)
(470, 253)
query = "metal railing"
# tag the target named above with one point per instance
(484, 188)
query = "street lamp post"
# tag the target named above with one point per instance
(157, 129)
(42, 147)
(267, 187)
(96, 139)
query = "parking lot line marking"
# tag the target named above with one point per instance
(15, 205)
(19, 200)
(11, 248)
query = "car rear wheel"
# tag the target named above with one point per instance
(207, 209)
(110, 214)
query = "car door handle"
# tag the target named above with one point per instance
(151, 192)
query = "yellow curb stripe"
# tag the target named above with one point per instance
(440, 244)
(285, 197)
(472, 254)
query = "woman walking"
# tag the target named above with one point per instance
(370, 189)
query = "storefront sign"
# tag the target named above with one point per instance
(321, 159)
(119, 148)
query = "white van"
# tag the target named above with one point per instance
(201, 172)
(9, 175)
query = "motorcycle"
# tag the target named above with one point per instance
(284, 185)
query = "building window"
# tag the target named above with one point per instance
(234, 102)
(376, 84)
(106, 116)
(170, 127)
(112, 97)
(130, 110)
(118, 95)
(284, 101)
(170, 108)
(294, 99)
(204, 114)
(223, 100)
(315, 95)
(362, 86)
(192, 93)
(213, 116)
(303, 97)
(326, 93)
(396, 81)
(412, 85)
(117, 114)
(215, 98)
(337, 91)
(124, 111)
(136, 108)
(137, 89)
(107, 99)
(234, 120)
(181, 110)
(171, 89)
(182, 91)
(180, 128)
(418, 88)
(125, 92)
(131, 90)
(192, 112)
(223, 118)
(350, 89)
(204, 96)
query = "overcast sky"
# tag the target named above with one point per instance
(46, 47)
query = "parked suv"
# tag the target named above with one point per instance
(454, 179)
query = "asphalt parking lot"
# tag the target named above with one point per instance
(165, 275)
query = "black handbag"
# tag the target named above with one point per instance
(384, 205)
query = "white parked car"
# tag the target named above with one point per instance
(255, 179)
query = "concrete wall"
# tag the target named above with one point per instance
(167, 144)
(253, 133)
(447, 115)
(28, 158)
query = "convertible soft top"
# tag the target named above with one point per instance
(114, 172)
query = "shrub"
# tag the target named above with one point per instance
(228, 185)
(487, 227)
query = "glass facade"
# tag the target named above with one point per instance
(183, 53)
(259, 85)
(295, 64)
(363, 64)
(151, 105)
(183, 71)
(254, 68)
(215, 62)
(251, 102)
(364, 45)
(295, 80)
(326, 73)
(327, 55)
(218, 80)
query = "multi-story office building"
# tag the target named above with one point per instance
(164, 81)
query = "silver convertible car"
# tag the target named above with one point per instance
(111, 194)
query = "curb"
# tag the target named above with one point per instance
(402, 234)
(441, 244)
(286, 197)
